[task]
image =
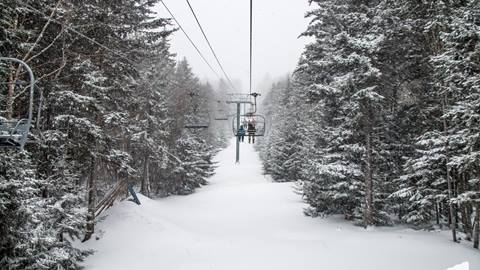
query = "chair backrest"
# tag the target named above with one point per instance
(21, 127)
(200, 121)
(3, 128)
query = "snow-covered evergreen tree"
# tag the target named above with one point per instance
(105, 117)
(385, 102)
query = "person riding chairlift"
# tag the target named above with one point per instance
(241, 134)
(251, 132)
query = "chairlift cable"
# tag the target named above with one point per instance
(210, 45)
(251, 43)
(189, 39)
(121, 55)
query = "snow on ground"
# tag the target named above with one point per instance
(463, 266)
(244, 221)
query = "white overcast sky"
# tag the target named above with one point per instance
(277, 25)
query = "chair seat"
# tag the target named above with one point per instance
(10, 136)
(196, 126)
(7, 143)
(12, 132)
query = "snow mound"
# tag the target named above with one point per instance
(463, 266)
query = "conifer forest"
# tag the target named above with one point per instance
(121, 150)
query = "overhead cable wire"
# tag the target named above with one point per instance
(121, 54)
(189, 39)
(210, 45)
(251, 44)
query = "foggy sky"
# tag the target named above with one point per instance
(277, 25)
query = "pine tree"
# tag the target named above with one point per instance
(103, 110)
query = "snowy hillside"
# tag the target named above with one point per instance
(374, 111)
(242, 220)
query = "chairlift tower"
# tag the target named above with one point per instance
(238, 99)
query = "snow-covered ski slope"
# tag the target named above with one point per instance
(243, 221)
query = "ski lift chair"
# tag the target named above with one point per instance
(221, 115)
(197, 122)
(198, 119)
(14, 132)
(256, 119)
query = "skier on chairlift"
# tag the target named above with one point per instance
(241, 134)
(251, 131)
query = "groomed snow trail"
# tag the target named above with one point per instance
(243, 221)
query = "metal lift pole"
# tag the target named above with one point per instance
(238, 99)
(238, 138)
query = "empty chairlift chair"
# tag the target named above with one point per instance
(14, 132)
(197, 121)
(221, 114)
(197, 118)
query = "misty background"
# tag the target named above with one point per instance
(276, 44)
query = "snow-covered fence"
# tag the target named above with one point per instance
(108, 200)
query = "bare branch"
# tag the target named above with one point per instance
(47, 47)
(40, 36)
(58, 70)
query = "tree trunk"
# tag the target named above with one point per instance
(449, 217)
(10, 93)
(470, 214)
(466, 216)
(369, 219)
(92, 191)
(145, 187)
(476, 230)
(453, 224)
(12, 77)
